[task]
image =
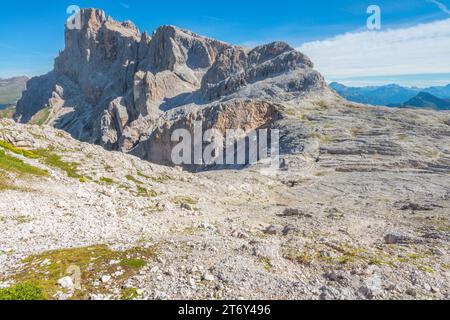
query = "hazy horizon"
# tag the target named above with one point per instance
(407, 81)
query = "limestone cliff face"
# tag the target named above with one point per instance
(235, 69)
(115, 86)
(96, 67)
(246, 115)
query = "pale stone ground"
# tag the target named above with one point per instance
(361, 212)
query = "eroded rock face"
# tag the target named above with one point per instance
(116, 87)
(35, 97)
(96, 67)
(245, 115)
(235, 69)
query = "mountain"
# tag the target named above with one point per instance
(11, 90)
(115, 86)
(386, 95)
(382, 95)
(440, 92)
(428, 101)
(356, 206)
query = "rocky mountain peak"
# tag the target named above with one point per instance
(112, 84)
(92, 19)
(171, 48)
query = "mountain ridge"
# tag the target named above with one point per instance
(425, 100)
(115, 86)
(386, 95)
(11, 90)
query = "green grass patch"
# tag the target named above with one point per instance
(290, 111)
(129, 294)
(303, 117)
(426, 269)
(301, 257)
(83, 180)
(41, 117)
(342, 254)
(421, 260)
(349, 257)
(133, 263)
(22, 219)
(11, 164)
(378, 262)
(93, 262)
(322, 173)
(322, 138)
(403, 137)
(140, 174)
(160, 179)
(355, 132)
(154, 209)
(107, 181)
(144, 192)
(141, 191)
(51, 159)
(267, 264)
(19, 151)
(322, 105)
(22, 291)
(133, 179)
(184, 200)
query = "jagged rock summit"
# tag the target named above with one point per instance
(115, 86)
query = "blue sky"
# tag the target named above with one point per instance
(32, 33)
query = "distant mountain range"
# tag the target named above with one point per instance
(388, 95)
(425, 100)
(11, 90)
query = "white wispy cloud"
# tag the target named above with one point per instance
(424, 48)
(441, 6)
